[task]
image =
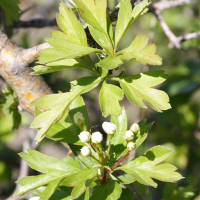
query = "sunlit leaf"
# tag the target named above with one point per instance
(138, 89)
(110, 63)
(146, 167)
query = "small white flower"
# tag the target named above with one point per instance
(129, 135)
(34, 198)
(78, 118)
(97, 137)
(135, 128)
(85, 151)
(109, 128)
(84, 136)
(131, 146)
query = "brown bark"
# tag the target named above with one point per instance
(14, 68)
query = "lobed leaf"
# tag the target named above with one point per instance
(141, 52)
(55, 106)
(109, 98)
(146, 167)
(63, 49)
(93, 12)
(138, 88)
(71, 26)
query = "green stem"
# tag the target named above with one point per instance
(95, 159)
(108, 150)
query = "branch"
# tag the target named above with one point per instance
(183, 38)
(35, 23)
(14, 62)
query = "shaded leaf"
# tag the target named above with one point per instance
(146, 167)
(141, 52)
(125, 179)
(109, 98)
(108, 191)
(138, 88)
(126, 194)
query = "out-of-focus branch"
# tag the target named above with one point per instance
(14, 62)
(183, 38)
(172, 38)
(35, 23)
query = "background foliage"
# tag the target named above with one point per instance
(177, 128)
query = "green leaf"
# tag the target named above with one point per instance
(102, 39)
(69, 24)
(141, 52)
(126, 194)
(141, 135)
(110, 63)
(63, 49)
(146, 167)
(64, 130)
(140, 8)
(124, 17)
(138, 88)
(50, 189)
(125, 179)
(78, 190)
(47, 164)
(118, 145)
(63, 64)
(10, 10)
(109, 98)
(81, 83)
(93, 12)
(107, 191)
(81, 176)
(55, 106)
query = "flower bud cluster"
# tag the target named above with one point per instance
(94, 138)
(129, 135)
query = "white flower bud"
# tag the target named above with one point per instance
(34, 198)
(129, 135)
(109, 128)
(135, 128)
(131, 146)
(85, 151)
(78, 118)
(97, 137)
(84, 136)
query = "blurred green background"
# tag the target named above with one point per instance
(177, 128)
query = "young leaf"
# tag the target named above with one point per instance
(69, 24)
(109, 98)
(146, 167)
(108, 191)
(55, 105)
(140, 8)
(93, 12)
(141, 52)
(138, 88)
(102, 39)
(63, 49)
(124, 17)
(125, 179)
(110, 63)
